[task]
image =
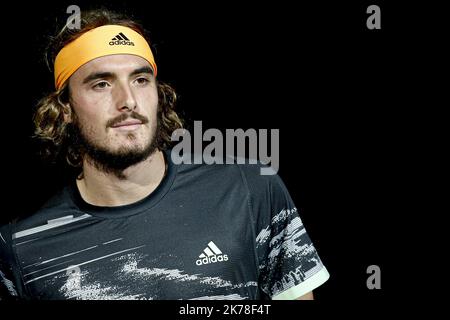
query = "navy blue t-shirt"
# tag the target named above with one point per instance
(207, 232)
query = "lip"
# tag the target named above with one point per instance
(127, 123)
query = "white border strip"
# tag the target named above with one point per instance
(44, 227)
(303, 288)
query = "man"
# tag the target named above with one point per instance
(133, 225)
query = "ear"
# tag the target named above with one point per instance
(67, 113)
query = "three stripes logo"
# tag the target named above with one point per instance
(121, 39)
(211, 254)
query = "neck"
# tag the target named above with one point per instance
(138, 181)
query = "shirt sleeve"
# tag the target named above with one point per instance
(8, 289)
(289, 265)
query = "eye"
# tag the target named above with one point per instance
(101, 85)
(142, 81)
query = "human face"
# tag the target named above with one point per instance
(115, 101)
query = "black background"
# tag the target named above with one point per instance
(333, 88)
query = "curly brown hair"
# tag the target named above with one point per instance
(51, 127)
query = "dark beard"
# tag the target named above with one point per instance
(114, 162)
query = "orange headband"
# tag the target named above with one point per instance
(99, 42)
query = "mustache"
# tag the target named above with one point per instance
(125, 116)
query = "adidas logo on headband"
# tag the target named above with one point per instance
(121, 39)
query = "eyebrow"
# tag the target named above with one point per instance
(102, 75)
(145, 69)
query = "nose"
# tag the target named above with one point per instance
(125, 98)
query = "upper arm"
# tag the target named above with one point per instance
(307, 296)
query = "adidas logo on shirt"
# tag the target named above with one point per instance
(121, 39)
(211, 254)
